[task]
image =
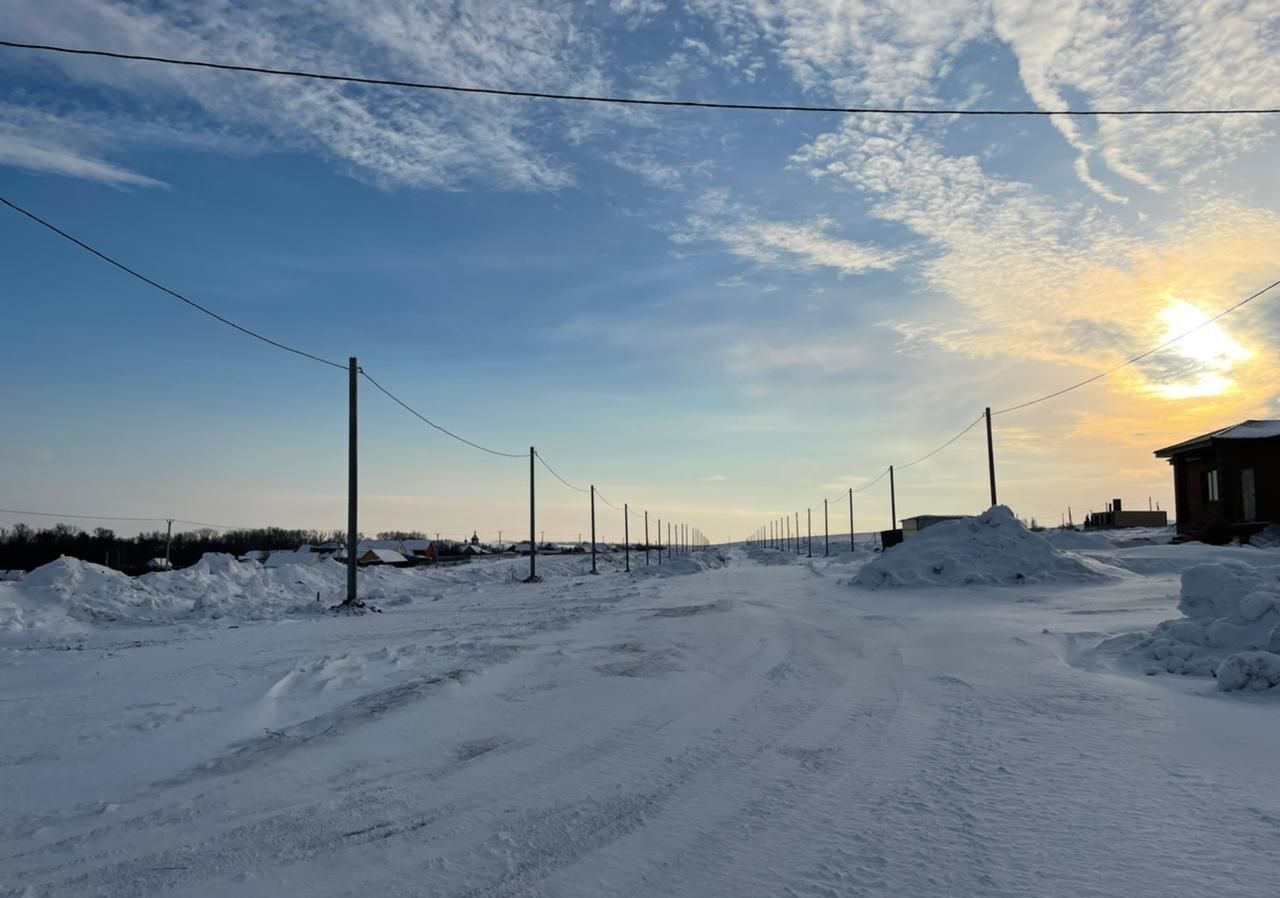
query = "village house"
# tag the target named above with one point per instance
(1117, 515)
(1226, 483)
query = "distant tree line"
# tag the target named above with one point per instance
(25, 548)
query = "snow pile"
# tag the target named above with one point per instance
(1074, 540)
(219, 586)
(1267, 538)
(65, 594)
(1230, 628)
(994, 548)
(68, 594)
(688, 563)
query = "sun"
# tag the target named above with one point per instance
(1212, 352)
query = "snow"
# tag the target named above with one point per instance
(1230, 624)
(739, 723)
(993, 548)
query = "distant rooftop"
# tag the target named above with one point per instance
(1246, 430)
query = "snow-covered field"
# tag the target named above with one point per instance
(752, 724)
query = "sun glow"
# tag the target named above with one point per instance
(1210, 352)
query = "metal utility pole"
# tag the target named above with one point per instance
(168, 541)
(851, 543)
(353, 383)
(646, 538)
(626, 536)
(533, 525)
(593, 529)
(809, 513)
(991, 457)
(893, 501)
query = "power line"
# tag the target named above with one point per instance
(940, 448)
(163, 289)
(107, 517)
(404, 405)
(81, 517)
(1138, 358)
(867, 486)
(242, 329)
(601, 497)
(630, 101)
(557, 476)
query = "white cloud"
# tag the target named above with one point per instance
(637, 12)
(48, 157)
(392, 138)
(714, 216)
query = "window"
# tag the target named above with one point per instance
(1211, 485)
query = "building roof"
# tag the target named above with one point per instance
(1245, 430)
(386, 556)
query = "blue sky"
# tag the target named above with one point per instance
(722, 317)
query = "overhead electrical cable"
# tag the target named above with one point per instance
(1137, 358)
(543, 461)
(163, 289)
(417, 414)
(629, 101)
(928, 455)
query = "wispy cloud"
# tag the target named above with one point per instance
(48, 157)
(391, 138)
(714, 216)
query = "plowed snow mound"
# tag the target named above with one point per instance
(991, 549)
(1230, 628)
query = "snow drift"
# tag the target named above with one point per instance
(991, 549)
(1230, 628)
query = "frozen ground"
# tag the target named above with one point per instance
(758, 728)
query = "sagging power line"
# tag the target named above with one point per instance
(628, 101)
(355, 373)
(1137, 358)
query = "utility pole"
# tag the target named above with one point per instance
(353, 382)
(626, 535)
(991, 457)
(893, 501)
(668, 540)
(809, 513)
(797, 533)
(646, 538)
(826, 530)
(851, 543)
(168, 541)
(786, 542)
(659, 540)
(533, 525)
(593, 529)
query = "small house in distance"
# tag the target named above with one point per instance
(1117, 516)
(1227, 483)
(912, 526)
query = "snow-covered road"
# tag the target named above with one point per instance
(760, 728)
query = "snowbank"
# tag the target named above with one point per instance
(994, 548)
(690, 563)
(1230, 628)
(70, 596)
